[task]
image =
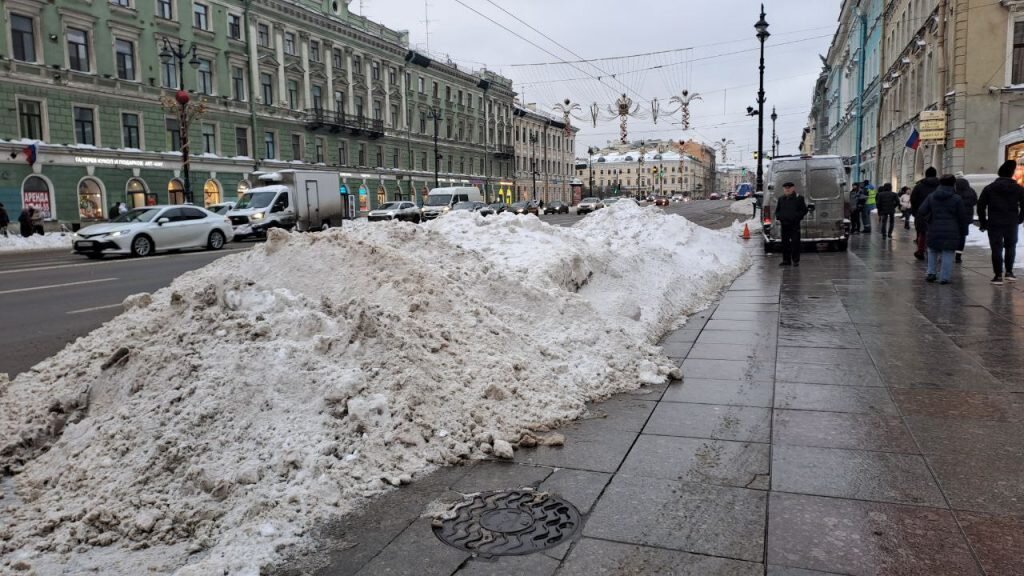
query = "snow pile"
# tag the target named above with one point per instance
(979, 239)
(16, 243)
(745, 206)
(211, 425)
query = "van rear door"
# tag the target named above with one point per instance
(824, 190)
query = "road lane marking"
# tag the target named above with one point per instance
(94, 309)
(120, 261)
(51, 286)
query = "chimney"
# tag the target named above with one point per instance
(532, 106)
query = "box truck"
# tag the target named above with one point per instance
(300, 200)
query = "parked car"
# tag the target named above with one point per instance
(470, 206)
(609, 201)
(822, 181)
(144, 231)
(556, 207)
(486, 210)
(525, 207)
(715, 196)
(678, 198)
(661, 201)
(223, 208)
(588, 205)
(403, 211)
(499, 207)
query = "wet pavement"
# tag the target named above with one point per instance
(843, 417)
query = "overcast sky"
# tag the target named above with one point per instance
(708, 47)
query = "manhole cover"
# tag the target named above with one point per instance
(508, 523)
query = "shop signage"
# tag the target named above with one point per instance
(121, 162)
(933, 126)
(38, 200)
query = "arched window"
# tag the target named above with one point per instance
(135, 190)
(211, 193)
(175, 192)
(35, 192)
(90, 199)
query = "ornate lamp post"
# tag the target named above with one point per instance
(590, 163)
(775, 140)
(533, 161)
(436, 115)
(187, 110)
(640, 170)
(762, 34)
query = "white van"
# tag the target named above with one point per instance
(821, 180)
(441, 200)
(302, 200)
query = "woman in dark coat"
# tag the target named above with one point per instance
(947, 221)
(970, 199)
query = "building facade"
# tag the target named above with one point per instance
(730, 177)
(643, 168)
(545, 150)
(284, 85)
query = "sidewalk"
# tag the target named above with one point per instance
(843, 417)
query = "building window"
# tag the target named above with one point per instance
(316, 93)
(165, 9)
(342, 154)
(362, 154)
(263, 35)
(269, 147)
(423, 123)
(23, 38)
(447, 93)
(357, 64)
(423, 160)
(319, 150)
(289, 43)
(336, 57)
(380, 157)
(293, 94)
(235, 26)
(296, 147)
(359, 106)
(211, 193)
(174, 133)
(314, 51)
(238, 83)
(85, 126)
(201, 16)
(421, 85)
(90, 200)
(339, 102)
(169, 75)
(436, 90)
(78, 49)
(241, 141)
(377, 110)
(130, 131)
(209, 132)
(267, 90)
(375, 70)
(394, 115)
(392, 76)
(204, 76)
(395, 158)
(175, 191)
(122, 3)
(30, 119)
(1018, 53)
(125, 58)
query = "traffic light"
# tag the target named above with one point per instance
(755, 155)
(654, 170)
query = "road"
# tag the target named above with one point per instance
(51, 298)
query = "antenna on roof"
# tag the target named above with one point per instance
(426, 23)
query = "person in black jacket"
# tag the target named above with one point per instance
(1001, 211)
(917, 197)
(5, 219)
(789, 211)
(970, 198)
(886, 202)
(947, 221)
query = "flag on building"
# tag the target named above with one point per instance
(915, 140)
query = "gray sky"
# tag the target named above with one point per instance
(703, 37)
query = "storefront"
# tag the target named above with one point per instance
(1013, 149)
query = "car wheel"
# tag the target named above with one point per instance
(325, 226)
(142, 246)
(215, 241)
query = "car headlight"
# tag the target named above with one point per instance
(446, 209)
(116, 233)
(259, 216)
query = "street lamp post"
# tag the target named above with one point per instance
(640, 170)
(762, 34)
(435, 115)
(177, 53)
(533, 161)
(590, 162)
(775, 141)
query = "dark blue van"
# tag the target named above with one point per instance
(744, 190)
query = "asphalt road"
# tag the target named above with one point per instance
(51, 298)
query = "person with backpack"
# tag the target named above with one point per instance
(887, 201)
(947, 221)
(921, 191)
(1000, 213)
(970, 199)
(905, 206)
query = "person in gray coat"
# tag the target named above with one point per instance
(943, 211)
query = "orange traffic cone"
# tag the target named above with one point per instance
(746, 232)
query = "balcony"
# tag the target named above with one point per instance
(317, 118)
(503, 151)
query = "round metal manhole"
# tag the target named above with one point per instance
(508, 523)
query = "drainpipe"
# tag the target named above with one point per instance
(862, 20)
(252, 87)
(878, 115)
(943, 67)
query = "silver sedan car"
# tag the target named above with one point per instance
(400, 210)
(145, 231)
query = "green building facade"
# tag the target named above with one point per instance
(285, 84)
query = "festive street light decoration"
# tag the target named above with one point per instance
(624, 108)
(684, 99)
(566, 108)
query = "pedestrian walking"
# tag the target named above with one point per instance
(917, 197)
(870, 196)
(25, 222)
(1000, 212)
(789, 211)
(887, 201)
(947, 221)
(37, 222)
(970, 199)
(905, 206)
(122, 208)
(113, 213)
(857, 202)
(5, 219)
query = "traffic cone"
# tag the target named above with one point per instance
(746, 232)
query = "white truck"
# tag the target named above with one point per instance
(441, 200)
(300, 200)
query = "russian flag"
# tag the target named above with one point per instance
(915, 140)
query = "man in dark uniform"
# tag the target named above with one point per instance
(789, 211)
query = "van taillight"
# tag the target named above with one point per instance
(766, 215)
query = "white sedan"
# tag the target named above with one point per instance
(143, 231)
